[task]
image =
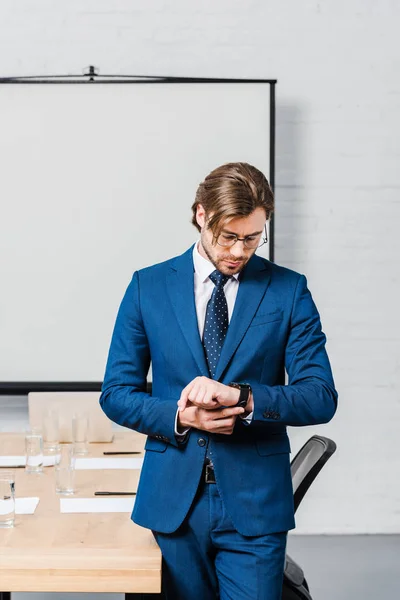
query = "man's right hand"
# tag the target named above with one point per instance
(219, 420)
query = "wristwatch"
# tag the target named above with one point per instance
(245, 390)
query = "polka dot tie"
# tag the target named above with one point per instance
(216, 322)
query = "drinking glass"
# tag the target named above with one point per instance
(51, 431)
(80, 426)
(7, 499)
(34, 452)
(64, 455)
(65, 479)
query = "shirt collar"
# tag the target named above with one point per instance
(203, 266)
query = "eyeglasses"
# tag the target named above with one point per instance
(227, 240)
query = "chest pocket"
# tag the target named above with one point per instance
(270, 317)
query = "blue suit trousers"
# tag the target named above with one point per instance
(207, 559)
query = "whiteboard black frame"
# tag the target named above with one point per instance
(13, 388)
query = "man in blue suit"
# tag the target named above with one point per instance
(220, 325)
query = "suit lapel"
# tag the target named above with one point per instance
(253, 285)
(180, 285)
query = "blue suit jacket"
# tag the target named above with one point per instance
(275, 325)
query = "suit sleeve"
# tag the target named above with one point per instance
(124, 398)
(310, 397)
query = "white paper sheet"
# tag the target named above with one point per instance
(96, 505)
(26, 506)
(20, 461)
(108, 463)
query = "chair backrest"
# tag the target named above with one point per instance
(307, 463)
(66, 404)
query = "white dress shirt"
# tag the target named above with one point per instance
(203, 289)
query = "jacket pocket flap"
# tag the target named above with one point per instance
(155, 445)
(277, 315)
(277, 444)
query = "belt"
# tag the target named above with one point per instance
(208, 473)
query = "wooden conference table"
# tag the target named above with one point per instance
(95, 552)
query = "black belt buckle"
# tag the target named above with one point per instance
(209, 474)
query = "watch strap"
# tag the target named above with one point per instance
(245, 390)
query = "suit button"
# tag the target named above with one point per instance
(276, 416)
(201, 442)
(267, 415)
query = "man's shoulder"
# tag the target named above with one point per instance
(279, 272)
(158, 269)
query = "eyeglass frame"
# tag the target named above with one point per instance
(238, 239)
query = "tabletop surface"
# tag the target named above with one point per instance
(98, 552)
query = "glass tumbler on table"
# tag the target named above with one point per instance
(34, 452)
(80, 426)
(65, 479)
(7, 499)
(65, 469)
(51, 431)
(64, 455)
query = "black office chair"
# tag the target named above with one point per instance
(305, 466)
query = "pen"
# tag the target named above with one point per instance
(115, 493)
(137, 452)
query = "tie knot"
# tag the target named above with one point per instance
(218, 278)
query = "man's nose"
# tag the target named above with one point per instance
(238, 249)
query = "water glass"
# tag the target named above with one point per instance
(51, 431)
(80, 426)
(7, 499)
(64, 455)
(34, 452)
(65, 479)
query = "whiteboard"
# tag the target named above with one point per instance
(96, 182)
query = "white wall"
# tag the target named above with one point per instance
(337, 192)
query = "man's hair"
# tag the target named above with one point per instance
(232, 191)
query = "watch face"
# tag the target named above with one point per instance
(242, 403)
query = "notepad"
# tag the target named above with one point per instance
(108, 463)
(96, 505)
(26, 506)
(80, 463)
(20, 461)
(23, 506)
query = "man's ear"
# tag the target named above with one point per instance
(200, 215)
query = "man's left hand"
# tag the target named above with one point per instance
(208, 393)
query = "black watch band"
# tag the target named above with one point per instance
(245, 390)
